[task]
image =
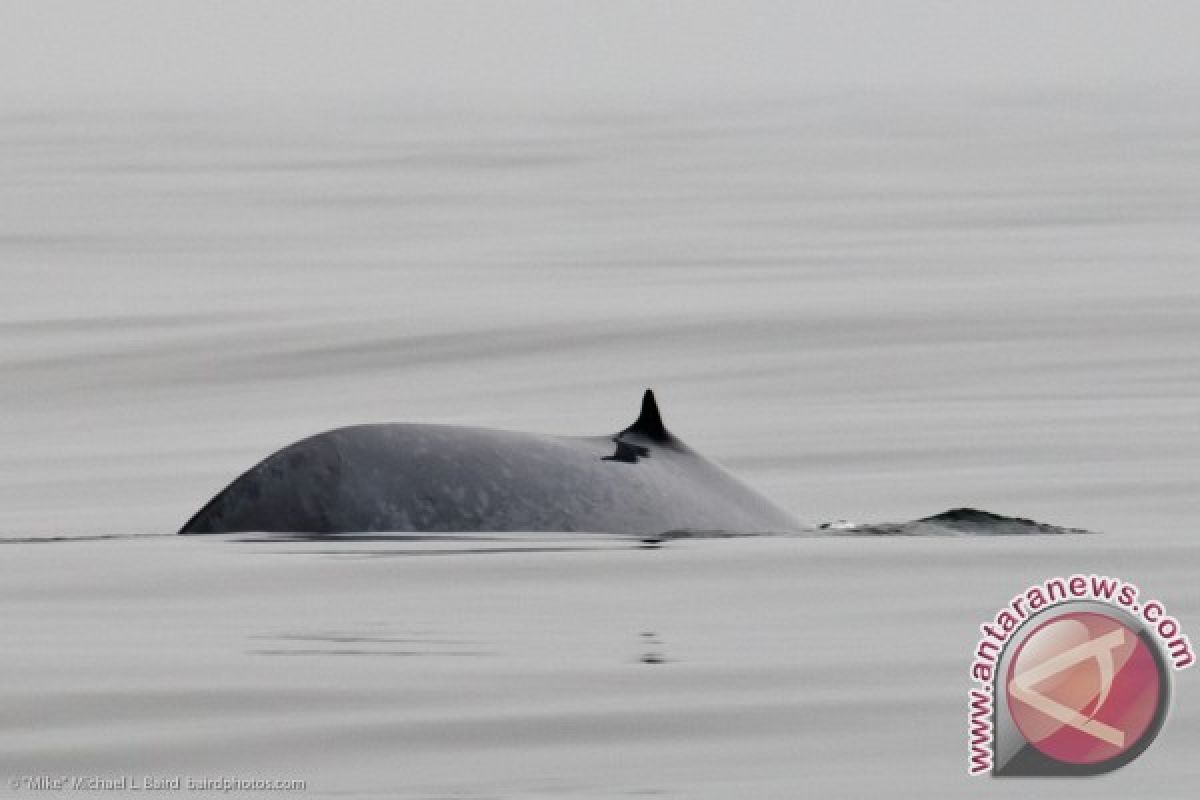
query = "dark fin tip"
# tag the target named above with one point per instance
(649, 423)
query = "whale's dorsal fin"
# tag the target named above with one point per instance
(649, 423)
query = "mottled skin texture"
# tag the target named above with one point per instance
(377, 478)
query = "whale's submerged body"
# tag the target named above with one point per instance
(407, 477)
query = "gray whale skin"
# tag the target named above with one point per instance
(408, 477)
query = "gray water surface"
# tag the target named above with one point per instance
(871, 308)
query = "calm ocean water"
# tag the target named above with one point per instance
(870, 308)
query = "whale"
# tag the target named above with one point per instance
(411, 478)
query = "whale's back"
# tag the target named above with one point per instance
(408, 477)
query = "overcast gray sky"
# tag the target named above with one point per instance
(275, 50)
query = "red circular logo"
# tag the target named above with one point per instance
(1084, 688)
